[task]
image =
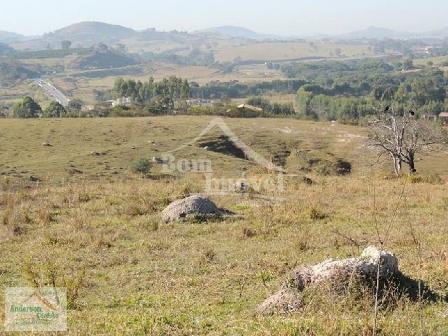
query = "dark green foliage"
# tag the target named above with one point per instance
(343, 167)
(144, 92)
(27, 108)
(428, 88)
(324, 107)
(54, 110)
(160, 97)
(235, 89)
(157, 97)
(351, 91)
(316, 71)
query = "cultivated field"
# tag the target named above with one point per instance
(92, 226)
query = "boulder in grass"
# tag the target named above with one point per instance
(338, 273)
(195, 207)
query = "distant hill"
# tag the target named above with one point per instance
(236, 32)
(8, 37)
(438, 34)
(379, 33)
(90, 33)
(5, 49)
(375, 33)
(11, 70)
(101, 57)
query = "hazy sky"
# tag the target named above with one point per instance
(286, 17)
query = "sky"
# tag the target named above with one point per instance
(282, 17)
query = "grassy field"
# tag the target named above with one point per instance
(279, 51)
(121, 141)
(94, 227)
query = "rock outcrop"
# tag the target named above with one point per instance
(195, 207)
(338, 273)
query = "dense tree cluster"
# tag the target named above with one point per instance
(355, 89)
(54, 110)
(320, 72)
(159, 96)
(236, 89)
(27, 108)
(320, 106)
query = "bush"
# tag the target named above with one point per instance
(54, 110)
(142, 166)
(338, 168)
(27, 108)
(343, 167)
(315, 214)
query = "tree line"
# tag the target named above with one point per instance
(27, 108)
(236, 89)
(348, 91)
(360, 88)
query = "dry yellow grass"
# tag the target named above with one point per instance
(129, 274)
(145, 277)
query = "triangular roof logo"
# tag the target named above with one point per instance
(247, 150)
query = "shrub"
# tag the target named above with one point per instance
(315, 214)
(338, 168)
(27, 108)
(142, 166)
(54, 110)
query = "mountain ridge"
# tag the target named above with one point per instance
(89, 33)
(236, 32)
(9, 37)
(374, 32)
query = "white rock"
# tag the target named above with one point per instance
(337, 272)
(190, 208)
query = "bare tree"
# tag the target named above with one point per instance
(404, 136)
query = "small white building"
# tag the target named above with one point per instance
(123, 101)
